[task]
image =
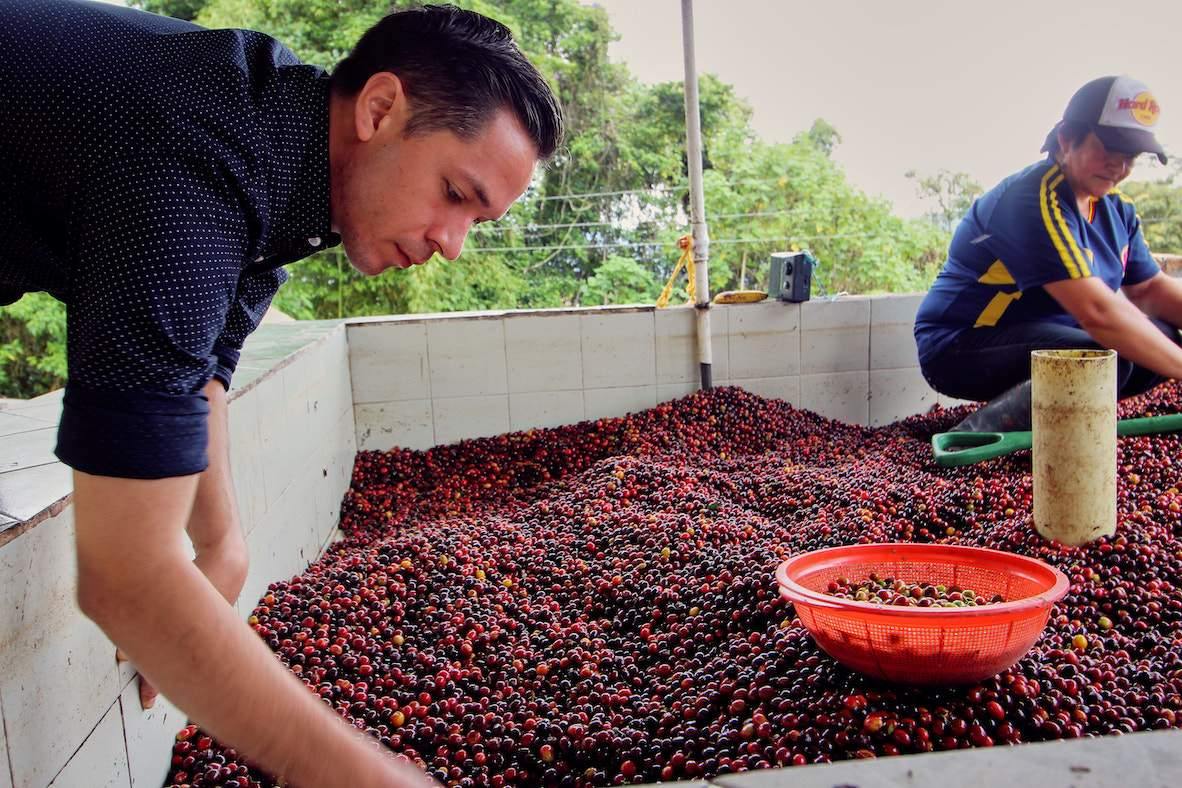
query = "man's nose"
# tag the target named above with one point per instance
(449, 239)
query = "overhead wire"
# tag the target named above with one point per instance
(653, 189)
(651, 244)
(489, 228)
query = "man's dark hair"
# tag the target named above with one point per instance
(457, 68)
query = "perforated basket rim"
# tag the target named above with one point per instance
(838, 556)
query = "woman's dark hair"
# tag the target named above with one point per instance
(458, 69)
(1073, 130)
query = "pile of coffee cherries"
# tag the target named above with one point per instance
(877, 590)
(596, 604)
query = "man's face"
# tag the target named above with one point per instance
(1093, 170)
(397, 200)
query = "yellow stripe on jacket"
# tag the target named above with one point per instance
(996, 308)
(1055, 225)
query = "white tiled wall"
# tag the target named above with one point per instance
(544, 353)
(835, 335)
(408, 423)
(102, 760)
(5, 772)
(844, 396)
(307, 443)
(786, 388)
(851, 359)
(668, 391)
(53, 657)
(545, 409)
(71, 715)
(150, 735)
(618, 349)
(677, 345)
(898, 393)
(897, 389)
(764, 341)
(457, 418)
(389, 362)
(892, 339)
(602, 403)
(467, 358)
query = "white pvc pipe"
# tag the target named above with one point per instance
(1073, 423)
(693, 134)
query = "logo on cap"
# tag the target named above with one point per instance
(1143, 108)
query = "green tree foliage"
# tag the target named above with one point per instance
(32, 346)
(620, 280)
(1159, 204)
(600, 223)
(617, 190)
(321, 32)
(180, 9)
(952, 192)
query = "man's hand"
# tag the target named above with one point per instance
(213, 525)
(214, 528)
(136, 582)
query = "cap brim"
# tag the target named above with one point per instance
(1130, 141)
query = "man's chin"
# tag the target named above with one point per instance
(369, 266)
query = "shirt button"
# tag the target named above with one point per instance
(314, 241)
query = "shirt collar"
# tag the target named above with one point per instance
(296, 117)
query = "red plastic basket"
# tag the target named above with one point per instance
(928, 645)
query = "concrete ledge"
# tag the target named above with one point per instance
(1151, 759)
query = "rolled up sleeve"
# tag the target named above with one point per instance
(159, 251)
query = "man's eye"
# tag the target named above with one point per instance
(454, 196)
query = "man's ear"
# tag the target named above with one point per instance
(380, 102)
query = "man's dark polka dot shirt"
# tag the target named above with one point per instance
(154, 176)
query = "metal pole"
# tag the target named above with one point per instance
(693, 133)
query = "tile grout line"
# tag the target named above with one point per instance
(505, 352)
(430, 392)
(54, 461)
(7, 749)
(869, 360)
(582, 365)
(86, 738)
(126, 749)
(657, 357)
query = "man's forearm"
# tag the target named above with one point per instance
(213, 523)
(136, 582)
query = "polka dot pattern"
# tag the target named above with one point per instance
(156, 178)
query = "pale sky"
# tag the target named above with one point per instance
(915, 84)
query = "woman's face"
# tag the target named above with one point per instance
(1090, 168)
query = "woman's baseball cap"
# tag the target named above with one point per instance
(1120, 111)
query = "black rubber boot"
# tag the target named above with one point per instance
(1009, 412)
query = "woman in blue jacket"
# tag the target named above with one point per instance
(1054, 257)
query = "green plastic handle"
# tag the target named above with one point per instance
(1150, 425)
(965, 448)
